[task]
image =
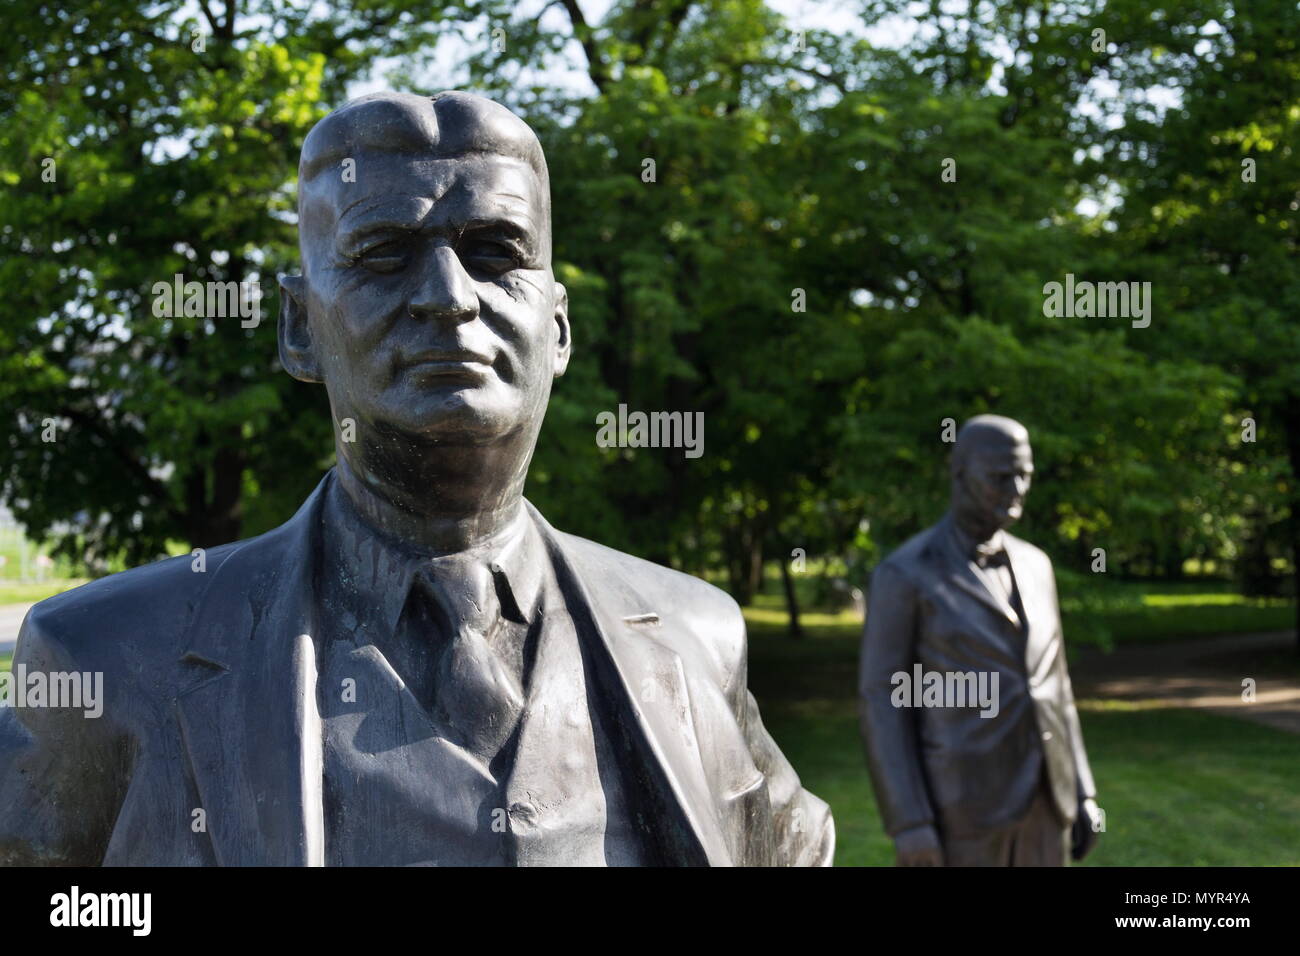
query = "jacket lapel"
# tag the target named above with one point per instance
(651, 702)
(249, 716)
(965, 577)
(1035, 598)
(251, 725)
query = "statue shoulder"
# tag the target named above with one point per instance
(681, 602)
(911, 557)
(655, 581)
(1026, 549)
(122, 616)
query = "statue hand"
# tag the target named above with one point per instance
(1087, 824)
(919, 846)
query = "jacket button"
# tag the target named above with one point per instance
(1047, 735)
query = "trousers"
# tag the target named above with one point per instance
(1037, 839)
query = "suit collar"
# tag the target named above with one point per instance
(966, 544)
(959, 547)
(1037, 598)
(251, 724)
(376, 571)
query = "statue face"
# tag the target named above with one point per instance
(994, 482)
(431, 303)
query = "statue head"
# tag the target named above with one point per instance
(992, 466)
(426, 304)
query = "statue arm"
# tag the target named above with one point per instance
(804, 831)
(889, 733)
(1083, 771)
(784, 824)
(53, 769)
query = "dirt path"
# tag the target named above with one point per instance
(1204, 673)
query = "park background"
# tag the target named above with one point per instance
(798, 156)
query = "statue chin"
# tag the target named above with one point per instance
(460, 417)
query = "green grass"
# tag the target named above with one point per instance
(29, 592)
(5, 661)
(1094, 610)
(1107, 611)
(1179, 787)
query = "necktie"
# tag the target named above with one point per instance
(476, 696)
(995, 563)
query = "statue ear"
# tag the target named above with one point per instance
(296, 353)
(564, 344)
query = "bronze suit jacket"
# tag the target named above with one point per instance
(948, 765)
(211, 705)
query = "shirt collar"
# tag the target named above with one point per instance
(377, 570)
(968, 547)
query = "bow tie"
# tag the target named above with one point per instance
(991, 556)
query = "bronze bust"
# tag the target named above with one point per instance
(416, 668)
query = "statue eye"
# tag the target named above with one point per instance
(385, 257)
(489, 256)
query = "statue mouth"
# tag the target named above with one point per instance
(458, 365)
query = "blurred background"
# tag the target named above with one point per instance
(841, 243)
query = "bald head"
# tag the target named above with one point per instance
(992, 467)
(389, 136)
(987, 433)
(442, 126)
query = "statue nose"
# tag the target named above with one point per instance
(445, 290)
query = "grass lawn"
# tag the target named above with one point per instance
(1179, 787)
(25, 592)
(1094, 610)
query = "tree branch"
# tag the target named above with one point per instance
(583, 33)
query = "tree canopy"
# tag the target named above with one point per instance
(827, 240)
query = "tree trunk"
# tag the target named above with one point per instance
(1292, 425)
(755, 568)
(791, 598)
(216, 518)
(738, 568)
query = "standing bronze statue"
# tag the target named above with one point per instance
(415, 669)
(1002, 780)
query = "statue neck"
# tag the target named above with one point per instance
(978, 528)
(445, 500)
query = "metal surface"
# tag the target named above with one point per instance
(976, 606)
(300, 700)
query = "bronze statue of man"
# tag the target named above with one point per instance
(415, 669)
(963, 778)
